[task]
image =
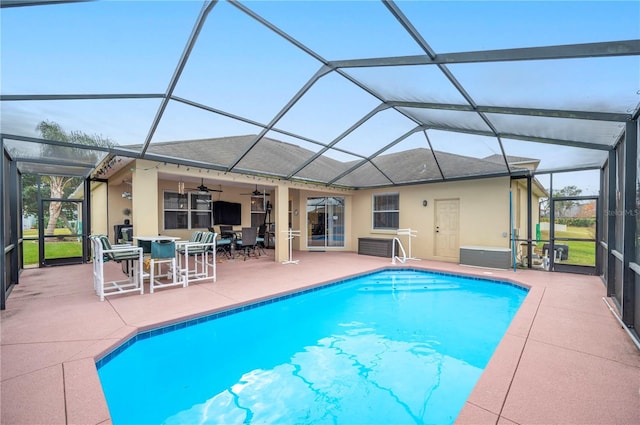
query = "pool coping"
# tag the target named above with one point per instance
(563, 359)
(149, 331)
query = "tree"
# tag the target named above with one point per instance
(61, 186)
(562, 207)
(29, 194)
(587, 210)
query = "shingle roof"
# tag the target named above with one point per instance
(279, 158)
(512, 159)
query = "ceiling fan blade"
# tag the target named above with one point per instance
(257, 193)
(204, 189)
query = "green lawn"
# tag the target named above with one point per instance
(581, 253)
(54, 248)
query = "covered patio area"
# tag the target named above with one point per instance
(564, 359)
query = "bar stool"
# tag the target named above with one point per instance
(199, 252)
(164, 252)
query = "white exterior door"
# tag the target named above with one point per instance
(447, 228)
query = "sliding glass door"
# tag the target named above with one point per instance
(325, 222)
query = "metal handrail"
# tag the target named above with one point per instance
(411, 234)
(393, 252)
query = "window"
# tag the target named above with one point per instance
(187, 211)
(386, 211)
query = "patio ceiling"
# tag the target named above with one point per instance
(353, 94)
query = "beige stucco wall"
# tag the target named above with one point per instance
(229, 194)
(107, 205)
(483, 208)
(117, 204)
(145, 198)
(140, 179)
(99, 220)
(519, 189)
(147, 191)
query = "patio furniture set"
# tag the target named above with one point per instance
(186, 262)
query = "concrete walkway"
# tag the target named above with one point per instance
(564, 359)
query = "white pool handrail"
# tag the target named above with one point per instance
(393, 252)
(290, 235)
(412, 234)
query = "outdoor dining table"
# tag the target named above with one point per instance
(145, 241)
(162, 254)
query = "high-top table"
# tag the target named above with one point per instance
(145, 242)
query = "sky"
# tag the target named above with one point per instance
(244, 68)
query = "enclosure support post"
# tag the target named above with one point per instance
(629, 222)
(611, 225)
(529, 223)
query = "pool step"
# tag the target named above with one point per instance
(432, 286)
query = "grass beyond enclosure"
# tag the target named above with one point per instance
(580, 252)
(54, 247)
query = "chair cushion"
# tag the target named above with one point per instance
(125, 255)
(201, 246)
(163, 249)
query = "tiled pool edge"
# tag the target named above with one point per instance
(181, 323)
(85, 403)
(491, 391)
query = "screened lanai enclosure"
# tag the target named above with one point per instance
(328, 100)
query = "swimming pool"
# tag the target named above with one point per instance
(395, 346)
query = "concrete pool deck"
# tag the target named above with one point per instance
(564, 359)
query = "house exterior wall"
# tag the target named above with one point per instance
(99, 220)
(519, 189)
(483, 209)
(144, 191)
(295, 216)
(117, 204)
(229, 194)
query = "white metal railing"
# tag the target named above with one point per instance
(290, 235)
(393, 252)
(411, 234)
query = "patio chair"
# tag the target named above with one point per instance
(164, 252)
(200, 251)
(195, 237)
(227, 232)
(118, 257)
(260, 239)
(104, 252)
(224, 247)
(127, 235)
(248, 242)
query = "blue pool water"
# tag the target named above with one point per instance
(396, 346)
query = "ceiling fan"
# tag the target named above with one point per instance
(204, 189)
(257, 193)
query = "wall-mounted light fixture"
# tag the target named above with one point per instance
(424, 203)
